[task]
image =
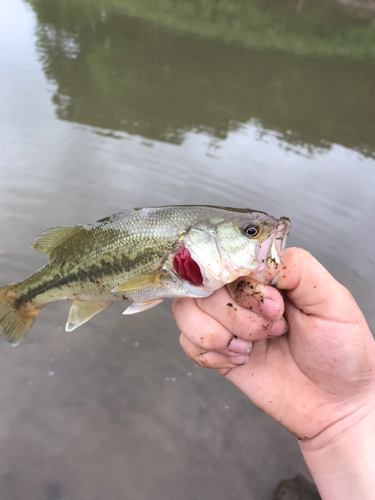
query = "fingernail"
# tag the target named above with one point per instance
(239, 360)
(239, 346)
(271, 308)
(280, 327)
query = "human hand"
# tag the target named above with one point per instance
(318, 380)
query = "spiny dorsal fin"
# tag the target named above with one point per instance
(49, 241)
(141, 281)
(81, 311)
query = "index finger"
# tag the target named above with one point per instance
(248, 322)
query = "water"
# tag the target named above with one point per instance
(102, 111)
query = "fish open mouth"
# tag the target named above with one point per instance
(271, 253)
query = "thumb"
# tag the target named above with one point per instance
(313, 290)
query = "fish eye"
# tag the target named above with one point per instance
(251, 230)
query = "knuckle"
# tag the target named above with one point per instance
(191, 353)
(255, 329)
(202, 360)
(213, 341)
(196, 354)
(210, 360)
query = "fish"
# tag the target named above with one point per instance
(144, 255)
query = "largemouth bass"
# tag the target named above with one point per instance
(144, 256)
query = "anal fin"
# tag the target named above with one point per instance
(140, 306)
(81, 311)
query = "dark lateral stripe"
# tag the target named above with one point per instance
(104, 268)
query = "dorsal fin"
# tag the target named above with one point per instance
(49, 241)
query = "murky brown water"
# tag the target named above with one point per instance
(102, 112)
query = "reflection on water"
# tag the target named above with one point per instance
(122, 73)
(280, 119)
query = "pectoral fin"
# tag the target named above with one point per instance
(137, 307)
(140, 281)
(82, 311)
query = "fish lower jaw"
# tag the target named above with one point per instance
(270, 255)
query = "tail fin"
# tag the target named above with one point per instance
(15, 318)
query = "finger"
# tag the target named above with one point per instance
(250, 294)
(204, 331)
(244, 323)
(210, 359)
(313, 290)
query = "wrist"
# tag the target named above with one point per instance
(341, 458)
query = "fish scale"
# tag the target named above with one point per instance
(129, 256)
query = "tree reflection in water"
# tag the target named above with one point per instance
(122, 73)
